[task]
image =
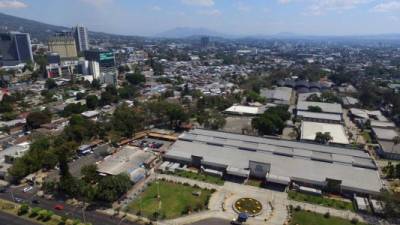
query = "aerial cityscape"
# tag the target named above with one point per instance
(200, 112)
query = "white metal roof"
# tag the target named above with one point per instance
(353, 176)
(310, 129)
(325, 107)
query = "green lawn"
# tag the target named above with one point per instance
(176, 200)
(319, 200)
(310, 218)
(200, 177)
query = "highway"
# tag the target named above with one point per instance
(69, 211)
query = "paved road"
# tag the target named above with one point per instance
(8, 219)
(69, 211)
(212, 222)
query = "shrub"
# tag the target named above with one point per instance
(63, 221)
(298, 208)
(354, 220)
(23, 209)
(34, 212)
(76, 222)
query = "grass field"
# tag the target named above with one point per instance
(200, 177)
(176, 200)
(319, 200)
(311, 218)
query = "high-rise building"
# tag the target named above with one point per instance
(106, 66)
(64, 44)
(15, 48)
(81, 38)
(204, 42)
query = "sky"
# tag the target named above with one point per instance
(234, 17)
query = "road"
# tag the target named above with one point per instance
(212, 222)
(74, 212)
(8, 219)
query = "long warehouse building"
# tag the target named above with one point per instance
(278, 161)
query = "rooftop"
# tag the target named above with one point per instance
(279, 93)
(326, 107)
(310, 129)
(241, 109)
(288, 159)
(322, 116)
(385, 134)
(126, 160)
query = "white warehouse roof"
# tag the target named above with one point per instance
(310, 129)
(326, 107)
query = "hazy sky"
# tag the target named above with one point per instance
(249, 17)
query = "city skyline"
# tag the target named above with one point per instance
(230, 17)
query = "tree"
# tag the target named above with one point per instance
(397, 168)
(390, 170)
(73, 108)
(92, 102)
(111, 188)
(272, 121)
(135, 78)
(23, 209)
(89, 173)
(50, 84)
(323, 138)
(96, 84)
(127, 121)
(127, 92)
(175, 114)
(254, 97)
(35, 119)
(109, 96)
(79, 129)
(40, 155)
(212, 120)
(391, 202)
(314, 108)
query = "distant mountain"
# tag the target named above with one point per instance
(36, 29)
(42, 31)
(186, 32)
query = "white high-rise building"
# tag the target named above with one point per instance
(81, 38)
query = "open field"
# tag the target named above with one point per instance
(174, 200)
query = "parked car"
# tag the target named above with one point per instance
(18, 200)
(59, 207)
(27, 189)
(35, 201)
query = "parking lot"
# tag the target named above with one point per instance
(153, 144)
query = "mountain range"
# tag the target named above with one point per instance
(41, 31)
